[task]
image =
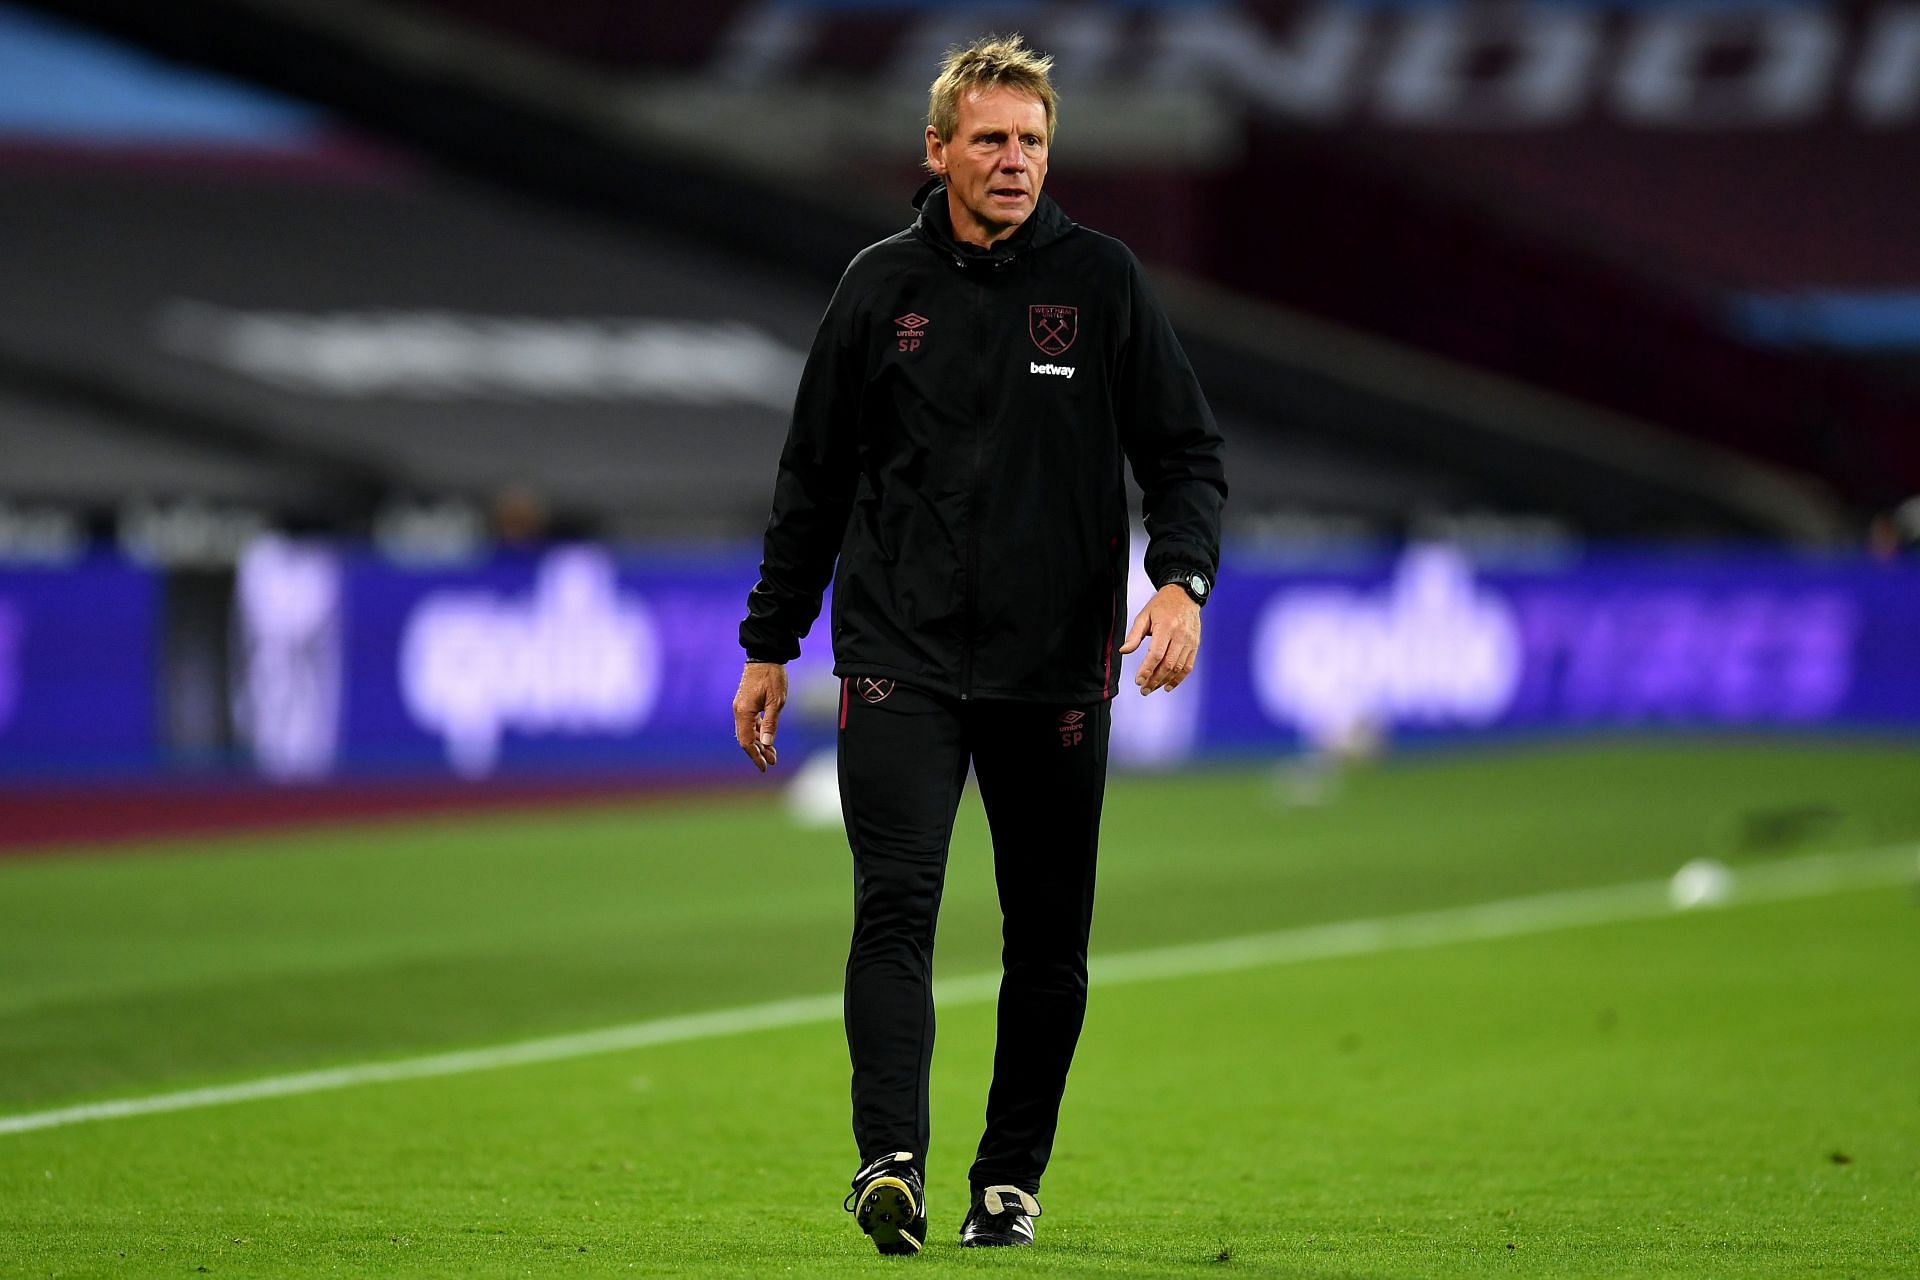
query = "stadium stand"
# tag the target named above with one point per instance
(1367, 378)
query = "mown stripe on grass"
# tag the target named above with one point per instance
(1801, 877)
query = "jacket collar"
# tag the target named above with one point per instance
(935, 226)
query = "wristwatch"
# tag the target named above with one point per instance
(1194, 584)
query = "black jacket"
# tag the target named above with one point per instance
(957, 443)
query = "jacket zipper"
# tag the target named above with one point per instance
(1113, 624)
(971, 621)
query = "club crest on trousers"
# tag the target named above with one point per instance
(872, 690)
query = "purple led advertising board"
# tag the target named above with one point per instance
(1426, 645)
(570, 659)
(580, 658)
(78, 669)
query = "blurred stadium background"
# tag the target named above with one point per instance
(390, 392)
(358, 357)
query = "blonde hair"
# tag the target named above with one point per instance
(990, 62)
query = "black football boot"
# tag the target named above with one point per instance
(888, 1202)
(1000, 1216)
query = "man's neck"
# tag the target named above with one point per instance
(968, 229)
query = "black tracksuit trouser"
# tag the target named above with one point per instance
(1042, 773)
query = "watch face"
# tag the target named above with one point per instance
(1197, 585)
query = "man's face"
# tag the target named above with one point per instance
(994, 164)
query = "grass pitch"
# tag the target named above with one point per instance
(1709, 1093)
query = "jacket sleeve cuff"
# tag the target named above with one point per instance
(762, 647)
(1177, 561)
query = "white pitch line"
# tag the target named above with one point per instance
(1802, 877)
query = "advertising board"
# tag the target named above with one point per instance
(79, 669)
(578, 658)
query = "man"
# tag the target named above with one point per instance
(957, 444)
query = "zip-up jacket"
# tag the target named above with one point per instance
(957, 444)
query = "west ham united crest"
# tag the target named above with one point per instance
(1052, 328)
(872, 690)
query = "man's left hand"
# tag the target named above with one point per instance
(1172, 619)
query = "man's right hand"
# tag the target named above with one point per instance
(756, 711)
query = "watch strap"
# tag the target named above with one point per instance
(1183, 578)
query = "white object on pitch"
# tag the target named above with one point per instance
(1701, 883)
(813, 797)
